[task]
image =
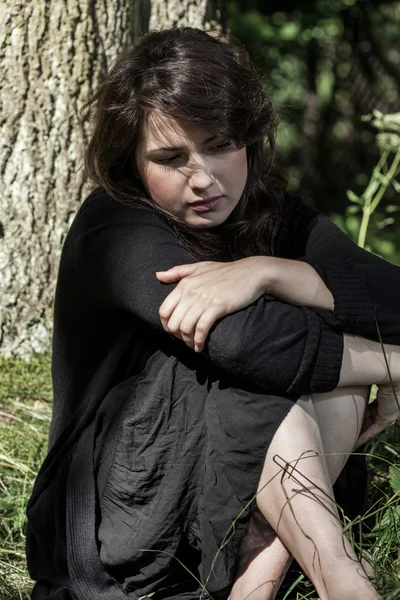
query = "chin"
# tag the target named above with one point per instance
(208, 224)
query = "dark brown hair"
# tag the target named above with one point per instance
(190, 75)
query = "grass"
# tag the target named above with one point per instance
(25, 408)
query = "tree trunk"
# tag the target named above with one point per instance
(53, 55)
(204, 14)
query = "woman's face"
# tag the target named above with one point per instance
(181, 164)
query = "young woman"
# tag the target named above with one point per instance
(213, 338)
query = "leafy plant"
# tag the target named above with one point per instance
(383, 175)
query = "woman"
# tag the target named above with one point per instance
(179, 395)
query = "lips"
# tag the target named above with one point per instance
(206, 206)
(205, 201)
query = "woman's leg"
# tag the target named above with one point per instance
(262, 563)
(335, 418)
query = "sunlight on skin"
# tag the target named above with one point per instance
(339, 417)
(180, 163)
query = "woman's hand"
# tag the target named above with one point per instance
(382, 412)
(208, 291)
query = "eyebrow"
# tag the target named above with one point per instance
(177, 148)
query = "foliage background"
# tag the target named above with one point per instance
(327, 63)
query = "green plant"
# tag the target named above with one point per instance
(383, 175)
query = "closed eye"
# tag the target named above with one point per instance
(173, 161)
(221, 146)
(170, 162)
(227, 145)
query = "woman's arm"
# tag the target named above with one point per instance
(276, 346)
(360, 282)
(364, 362)
(295, 282)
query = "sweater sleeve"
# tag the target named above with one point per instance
(274, 345)
(362, 284)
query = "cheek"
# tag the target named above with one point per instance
(238, 168)
(162, 185)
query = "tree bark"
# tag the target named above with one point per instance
(204, 14)
(53, 55)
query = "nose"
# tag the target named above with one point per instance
(201, 177)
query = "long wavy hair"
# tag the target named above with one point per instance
(191, 75)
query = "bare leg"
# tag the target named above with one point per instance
(335, 418)
(262, 563)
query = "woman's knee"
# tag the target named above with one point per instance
(340, 414)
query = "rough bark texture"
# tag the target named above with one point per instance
(53, 54)
(204, 14)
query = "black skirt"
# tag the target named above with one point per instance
(155, 494)
(178, 456)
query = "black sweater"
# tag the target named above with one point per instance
(106, 325)
(108, 298)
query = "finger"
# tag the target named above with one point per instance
(189, 323)
(386, 419)
(169, 305)
(369, 433)
(175, 321)
(176, 273)
(206, 321)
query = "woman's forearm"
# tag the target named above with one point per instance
(363, 359)
(296, 283)
(364, 362)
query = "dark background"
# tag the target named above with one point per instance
(326, 63)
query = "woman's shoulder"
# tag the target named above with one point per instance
(297, 221)
(100, 212)
(99, 202)
(297, 208)
(106, 230)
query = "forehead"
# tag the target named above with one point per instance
(160, 130)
